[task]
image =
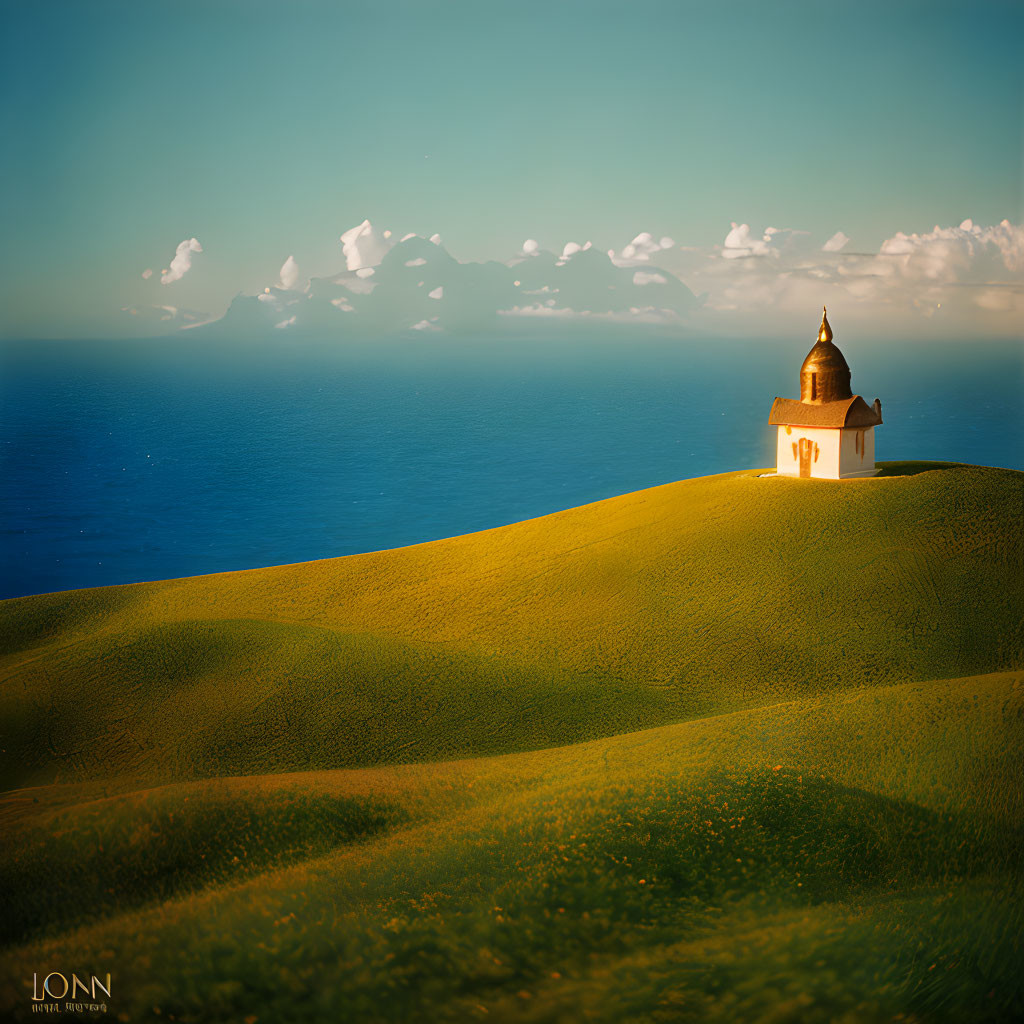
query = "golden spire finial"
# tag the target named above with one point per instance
(825, 331)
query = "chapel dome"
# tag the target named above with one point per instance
(825, 374)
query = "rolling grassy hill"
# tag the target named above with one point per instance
(730, 749)
(851, 858)
(687, 600)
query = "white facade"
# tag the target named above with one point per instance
(826, 453)
(857, 451)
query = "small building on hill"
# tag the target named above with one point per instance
(830, 432)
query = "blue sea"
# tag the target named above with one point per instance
(122, 462)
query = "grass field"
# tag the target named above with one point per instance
(729, 749)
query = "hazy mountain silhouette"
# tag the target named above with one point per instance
(419, 285)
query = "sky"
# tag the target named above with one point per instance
(264, 131)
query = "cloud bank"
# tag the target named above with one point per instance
(416, 284)
(965, 278)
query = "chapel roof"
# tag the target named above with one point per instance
(826, 399)
(846, 412)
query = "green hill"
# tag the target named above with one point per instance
(850, 858)
(732, 749)
(695, 598)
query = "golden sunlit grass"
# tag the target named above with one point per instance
(756, 750)
(683, 601)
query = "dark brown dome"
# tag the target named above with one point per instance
(825, 375)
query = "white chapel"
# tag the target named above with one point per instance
(830, 432)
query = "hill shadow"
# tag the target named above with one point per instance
(914, 468)
(169, 843)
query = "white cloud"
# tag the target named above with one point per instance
(739, 242)
(958, 270)
(540, 310)
(642, 277)
(967, 277)
(437, 293)
(418, 262)
(365, 272)
(530, 246)
(289, 273)
(640, 249)
(426, 325)
(571, 248)
(147, 274)
(435, 238)
(948, 253)
(287, 323)
(182, 262)
(364, 247)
